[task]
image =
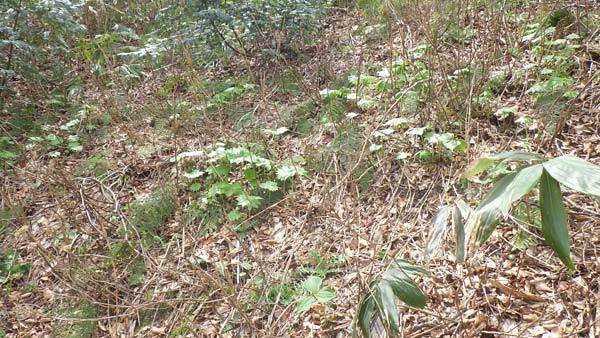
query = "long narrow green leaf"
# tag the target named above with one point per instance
(575, 173)
(516, 156)
(554, 219)
(363, 316)
(497, 203)
(478, 166)
(390, 309)
(409, 268)
(485, 162)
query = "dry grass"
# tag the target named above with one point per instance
(71, 226)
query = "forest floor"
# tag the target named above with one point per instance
(365, 197)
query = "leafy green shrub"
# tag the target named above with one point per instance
(236, 182)
(214, 29)
(299, 118)
(229, 95)
(7, 149)
(97, 165)
(33, 36)
(431, 145)
(6, 215)
(322, 265)
(236, 24)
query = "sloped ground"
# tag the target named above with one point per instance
(333, 222)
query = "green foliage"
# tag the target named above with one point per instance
(217, 28)
(148, 215)
(56, 139)
(229, 95)
(33, 36)
(6, 215)
(137, 272)
(377, 10)
(313, 293)
(430, 145)
(554, 219)
(379, 299)
(7, 149)
(571, 171)
(239, 23)
(286, 293)
(236, 182)
(174, 84)
(11, 266)
(287, 83)
(97, 165)
(344, 153)
(322, 264)
(554, 66)
(522, 240)
(299, 118)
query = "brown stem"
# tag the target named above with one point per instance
(224, 39)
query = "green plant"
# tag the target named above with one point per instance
(299, 118)
(236, 182)
(148, 215)
(6, 215)
(33, 35)
(322, 264)
(229, 95)
(553, 51)
(174, 84)
(7, 151)
(234, 25)
(217, 28)
(278, 292)
(97, 165)
(431, 145)
(313, 293)
(379, 299)
(568, 170)
(11, 266)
